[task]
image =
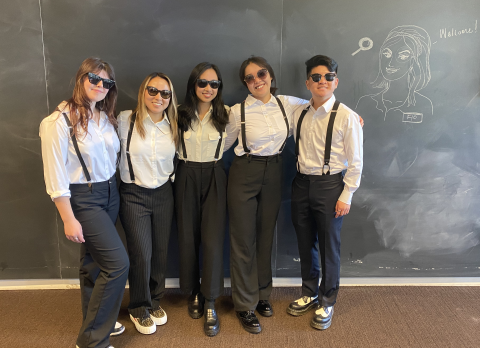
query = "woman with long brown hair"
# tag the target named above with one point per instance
(148, 135)
(79, 151)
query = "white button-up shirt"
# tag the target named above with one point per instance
(347, 144)
(61, 166)
(202, 140)
(152, 157)
(265, 127)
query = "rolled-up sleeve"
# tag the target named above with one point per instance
(54, 136)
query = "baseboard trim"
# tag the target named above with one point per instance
(172, 283)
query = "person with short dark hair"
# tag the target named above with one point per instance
(262, 124)
(201, 192)
(79, 152)
(329, 149)
(148, 136)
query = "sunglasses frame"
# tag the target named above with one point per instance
(249, 79)
(156, 91)
(325, 75)
(204, 81)
(106, 83)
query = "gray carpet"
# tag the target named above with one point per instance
(364, 317)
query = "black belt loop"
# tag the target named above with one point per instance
(242, 123)
(129, 138)
(328, 140)
(77, 150)
(183, 146)
(286, 122)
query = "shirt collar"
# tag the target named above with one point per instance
(165, 118)
(326, 107)
(252, 100)
(207, 115)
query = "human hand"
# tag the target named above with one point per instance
(341, 209)
(73, 231)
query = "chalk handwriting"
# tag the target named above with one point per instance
(452, 32)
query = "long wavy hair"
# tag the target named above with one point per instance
(186, 112)
(261, 62)
(79, 104)
(418, 40)
(142, 111)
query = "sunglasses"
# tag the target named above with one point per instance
(261, 74)
(165, 94)
(329, 77)
(202, 83)
(95, 79)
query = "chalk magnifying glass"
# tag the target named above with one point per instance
(365, 44)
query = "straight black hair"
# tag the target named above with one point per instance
(186, 111)
(321, 60)
(261, 62)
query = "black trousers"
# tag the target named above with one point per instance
(254, 197)
(146, 216)
(200, 201)
(313, 213)
(103, 260)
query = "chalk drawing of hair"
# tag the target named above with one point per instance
(405, 51)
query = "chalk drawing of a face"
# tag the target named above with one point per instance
(395, 59)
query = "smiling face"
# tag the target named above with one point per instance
(156, 105)
(207, 94)
(260, 89)
(323, 89)
(96, 93)
(395, 59)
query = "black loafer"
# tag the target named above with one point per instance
(302, 305)
(321, 322)
(249, 321)
(264, 308)
(195, 305)
(212, 324)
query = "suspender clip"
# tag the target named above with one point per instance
(323, 169)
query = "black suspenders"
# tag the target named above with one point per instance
(242, 123)
(328, 140)
(77, 150)
(217, 151)
(129, 161)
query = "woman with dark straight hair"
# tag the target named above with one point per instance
(79, 151)
(148, 135)
(200, 192)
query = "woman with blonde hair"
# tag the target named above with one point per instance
(79, 151)
(148, 136)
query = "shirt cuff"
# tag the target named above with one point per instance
(346, 197)
(56, 194)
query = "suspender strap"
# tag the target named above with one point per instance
(77, 150)
(184, 148)
(219, 145)
(129, 138)
(286, 122)
(242, 119)
(328, 140)
(297, 142)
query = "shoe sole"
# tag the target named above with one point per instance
(251, 330)
(119, 332)
(159, 321)
(321, 326)
(212, 332)
(265, 314)
(143, 329)
(300, 312)
(195, 316)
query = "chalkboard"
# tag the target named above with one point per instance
(416, 212)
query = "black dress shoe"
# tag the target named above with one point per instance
(212, 324)
(195, 305)
(302, 305)
(322, 318)
(264, 308)
(249, 321)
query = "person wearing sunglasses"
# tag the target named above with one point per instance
(201, 191)
(79, 152)
(148, 136)
(329, 149)
(262, 124)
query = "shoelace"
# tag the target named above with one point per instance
(250, 316)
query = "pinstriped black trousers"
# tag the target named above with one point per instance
(146, 216)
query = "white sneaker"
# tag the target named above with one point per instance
(158, 315)
(118, 330)
(145, 325)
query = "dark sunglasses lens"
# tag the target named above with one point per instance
(316, 77)
(249, 79)
(165, 94)
(93, 79)
(108, 83)
(202, 83)
(330, 77)
(152, 91)
(214, 84)
(262, 73)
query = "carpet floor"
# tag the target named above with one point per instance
(399, 316)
